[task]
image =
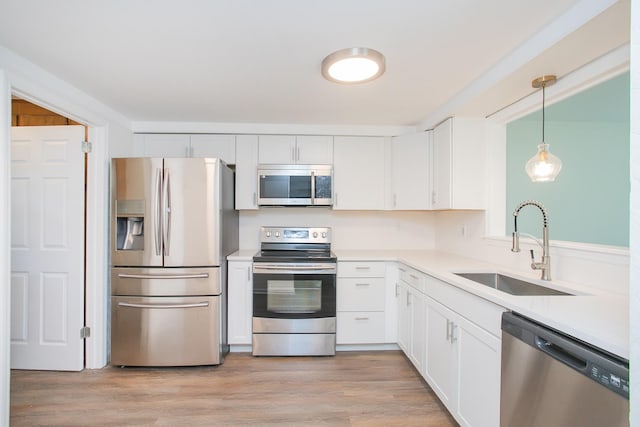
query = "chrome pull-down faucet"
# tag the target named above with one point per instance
(545, 262)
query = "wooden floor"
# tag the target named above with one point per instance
(350, 389)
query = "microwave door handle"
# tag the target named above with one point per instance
(313, 187)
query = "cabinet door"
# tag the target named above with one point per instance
(219, 146)
(418, 325)
(240, 305)
(441, 165)
(314, 150)
(359, 173)
(403, 316)
(441, 352)
(163, 145)
(411, 172)
(276, 149)
(478, 376)
(246, 172)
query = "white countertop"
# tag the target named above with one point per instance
(591, 315)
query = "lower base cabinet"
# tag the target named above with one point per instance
(240, 302)
(463, 366)
(459, 358)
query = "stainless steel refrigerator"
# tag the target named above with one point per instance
(173, 223)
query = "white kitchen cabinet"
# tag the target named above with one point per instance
(359, 173)
(412, 316)
(411, 171)
(291, 149)
(162, 145)
(185, 145)
(240, 303)
(463, 358)
(458, 164)
(360, 303)
(246, 172)
(219, 146)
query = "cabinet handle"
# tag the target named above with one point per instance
(363, 268)
(408, 299)
(413, 276)
(397, 291)
(448, 330)
(453, 332)
(362, 284)
(249, 273)
(362, 318)
(255, 199)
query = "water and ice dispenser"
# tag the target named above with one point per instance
(129, 225)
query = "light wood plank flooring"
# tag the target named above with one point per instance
(350, 389)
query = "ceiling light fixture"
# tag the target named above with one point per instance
(353, 65)
(543, 166)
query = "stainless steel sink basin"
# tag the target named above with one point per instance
(510, 285)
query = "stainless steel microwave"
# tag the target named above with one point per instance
(295, 185)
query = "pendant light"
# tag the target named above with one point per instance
(543, 166)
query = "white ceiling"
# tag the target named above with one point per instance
(257, 61)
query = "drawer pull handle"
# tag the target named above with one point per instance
(362, 284)
(414, 277)
(363, 268)
(362, 318)
(133, 305)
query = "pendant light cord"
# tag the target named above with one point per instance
(543, 87)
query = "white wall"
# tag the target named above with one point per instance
(5, 236)
(635, 213)
(350, 229)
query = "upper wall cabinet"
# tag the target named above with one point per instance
(359, 173)
(290, 149)
(246, 172)
(411, 172)
(458, 166)
(183, 145)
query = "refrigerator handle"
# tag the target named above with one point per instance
(166, 214)
(157, 212)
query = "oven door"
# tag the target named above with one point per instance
(294, 290)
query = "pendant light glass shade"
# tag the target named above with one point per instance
(543, 166)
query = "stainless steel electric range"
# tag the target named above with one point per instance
(294, 293)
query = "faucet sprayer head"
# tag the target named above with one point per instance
(515, 242)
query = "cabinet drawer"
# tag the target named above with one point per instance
(413, 278)
(362, 327)
(361, 269)
(360, 294)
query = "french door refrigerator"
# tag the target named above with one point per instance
(173, 224)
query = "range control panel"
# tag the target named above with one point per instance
(295, 235)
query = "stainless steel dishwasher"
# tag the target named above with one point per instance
(550, 379)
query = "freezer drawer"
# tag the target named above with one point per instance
(166, 331)
(165, 281)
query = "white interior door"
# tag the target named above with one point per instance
(47, 240)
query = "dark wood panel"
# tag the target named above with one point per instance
(350, 389)
(24, 113)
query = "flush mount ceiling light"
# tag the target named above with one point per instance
(543, 166)
(353, 65)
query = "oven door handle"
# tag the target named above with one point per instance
(281, 268)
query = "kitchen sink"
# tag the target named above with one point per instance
(509, 284)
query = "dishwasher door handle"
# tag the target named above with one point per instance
(561, 354)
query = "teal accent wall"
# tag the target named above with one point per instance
(589, 201)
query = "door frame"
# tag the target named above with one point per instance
(97, 226)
